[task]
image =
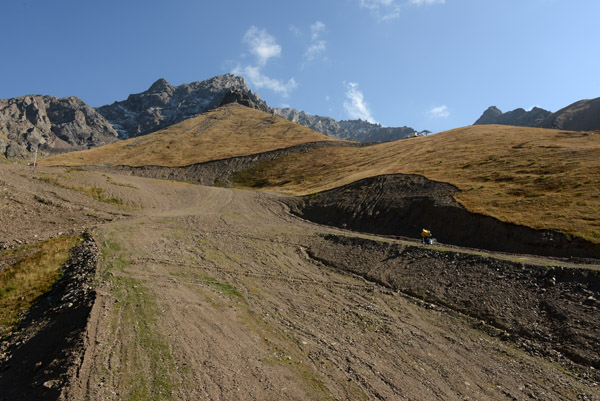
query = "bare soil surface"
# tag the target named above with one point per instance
(212, 293)
(552, 310)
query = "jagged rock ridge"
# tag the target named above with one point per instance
(583, 115)
(57, 125)
(518, 117)
(353, 130)
(163, 105)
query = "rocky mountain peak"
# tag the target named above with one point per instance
(163, 104)
(245, 98)
(353, 130)
(227, 81)
(160, 85)
(517, 117)
(56, 125)
(489, 116)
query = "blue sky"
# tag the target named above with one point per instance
(428, 64)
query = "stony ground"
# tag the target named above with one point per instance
(210, 293)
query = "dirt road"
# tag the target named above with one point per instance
(209, 293)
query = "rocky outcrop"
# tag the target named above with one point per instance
(56, 125)
(352, 130)
(518, 117)
(245, 98)
(583, 115)
(163, 105)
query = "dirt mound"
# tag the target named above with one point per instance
(550, 310)
(35, 361)
(404, 204)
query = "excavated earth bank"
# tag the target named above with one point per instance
(217, 172)
(404, 204)
(549, 310)
(36, 360)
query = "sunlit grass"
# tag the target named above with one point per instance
(226, 132)
(29, 273)
(545, 179)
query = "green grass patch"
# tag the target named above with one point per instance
(93, 192)
(28, 273)
(119, 184)
(147, 370)
(223, 287)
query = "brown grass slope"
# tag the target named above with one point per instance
(226, 132)
(545, 179)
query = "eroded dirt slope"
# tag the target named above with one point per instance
(210, 293)
(404, 204)
(548, 309)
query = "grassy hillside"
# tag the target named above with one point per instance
(536, 177)
(228, 131)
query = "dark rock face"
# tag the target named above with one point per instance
(518, 117)
(247, 99)
(163, 105)
(490, 116)
(583, 115)
(57, 125)
(352, 130)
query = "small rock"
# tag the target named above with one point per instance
(51, 384)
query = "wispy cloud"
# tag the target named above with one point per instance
(316, 29)
(390, 9)
(317, 46)
(382, 9)
(262, 45)
(439, 112)
(259, 80)
(426, 2)
(295, 30)
(356, 106)
(315, 50)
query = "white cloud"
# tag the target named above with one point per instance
(316, 29)
(439, 112)
(259, 80)
(390, 9)
(426, 2)
(262, 45)
(315, 50)
(317, 46)
(295, 30)
(355, 106)
(382, 9)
